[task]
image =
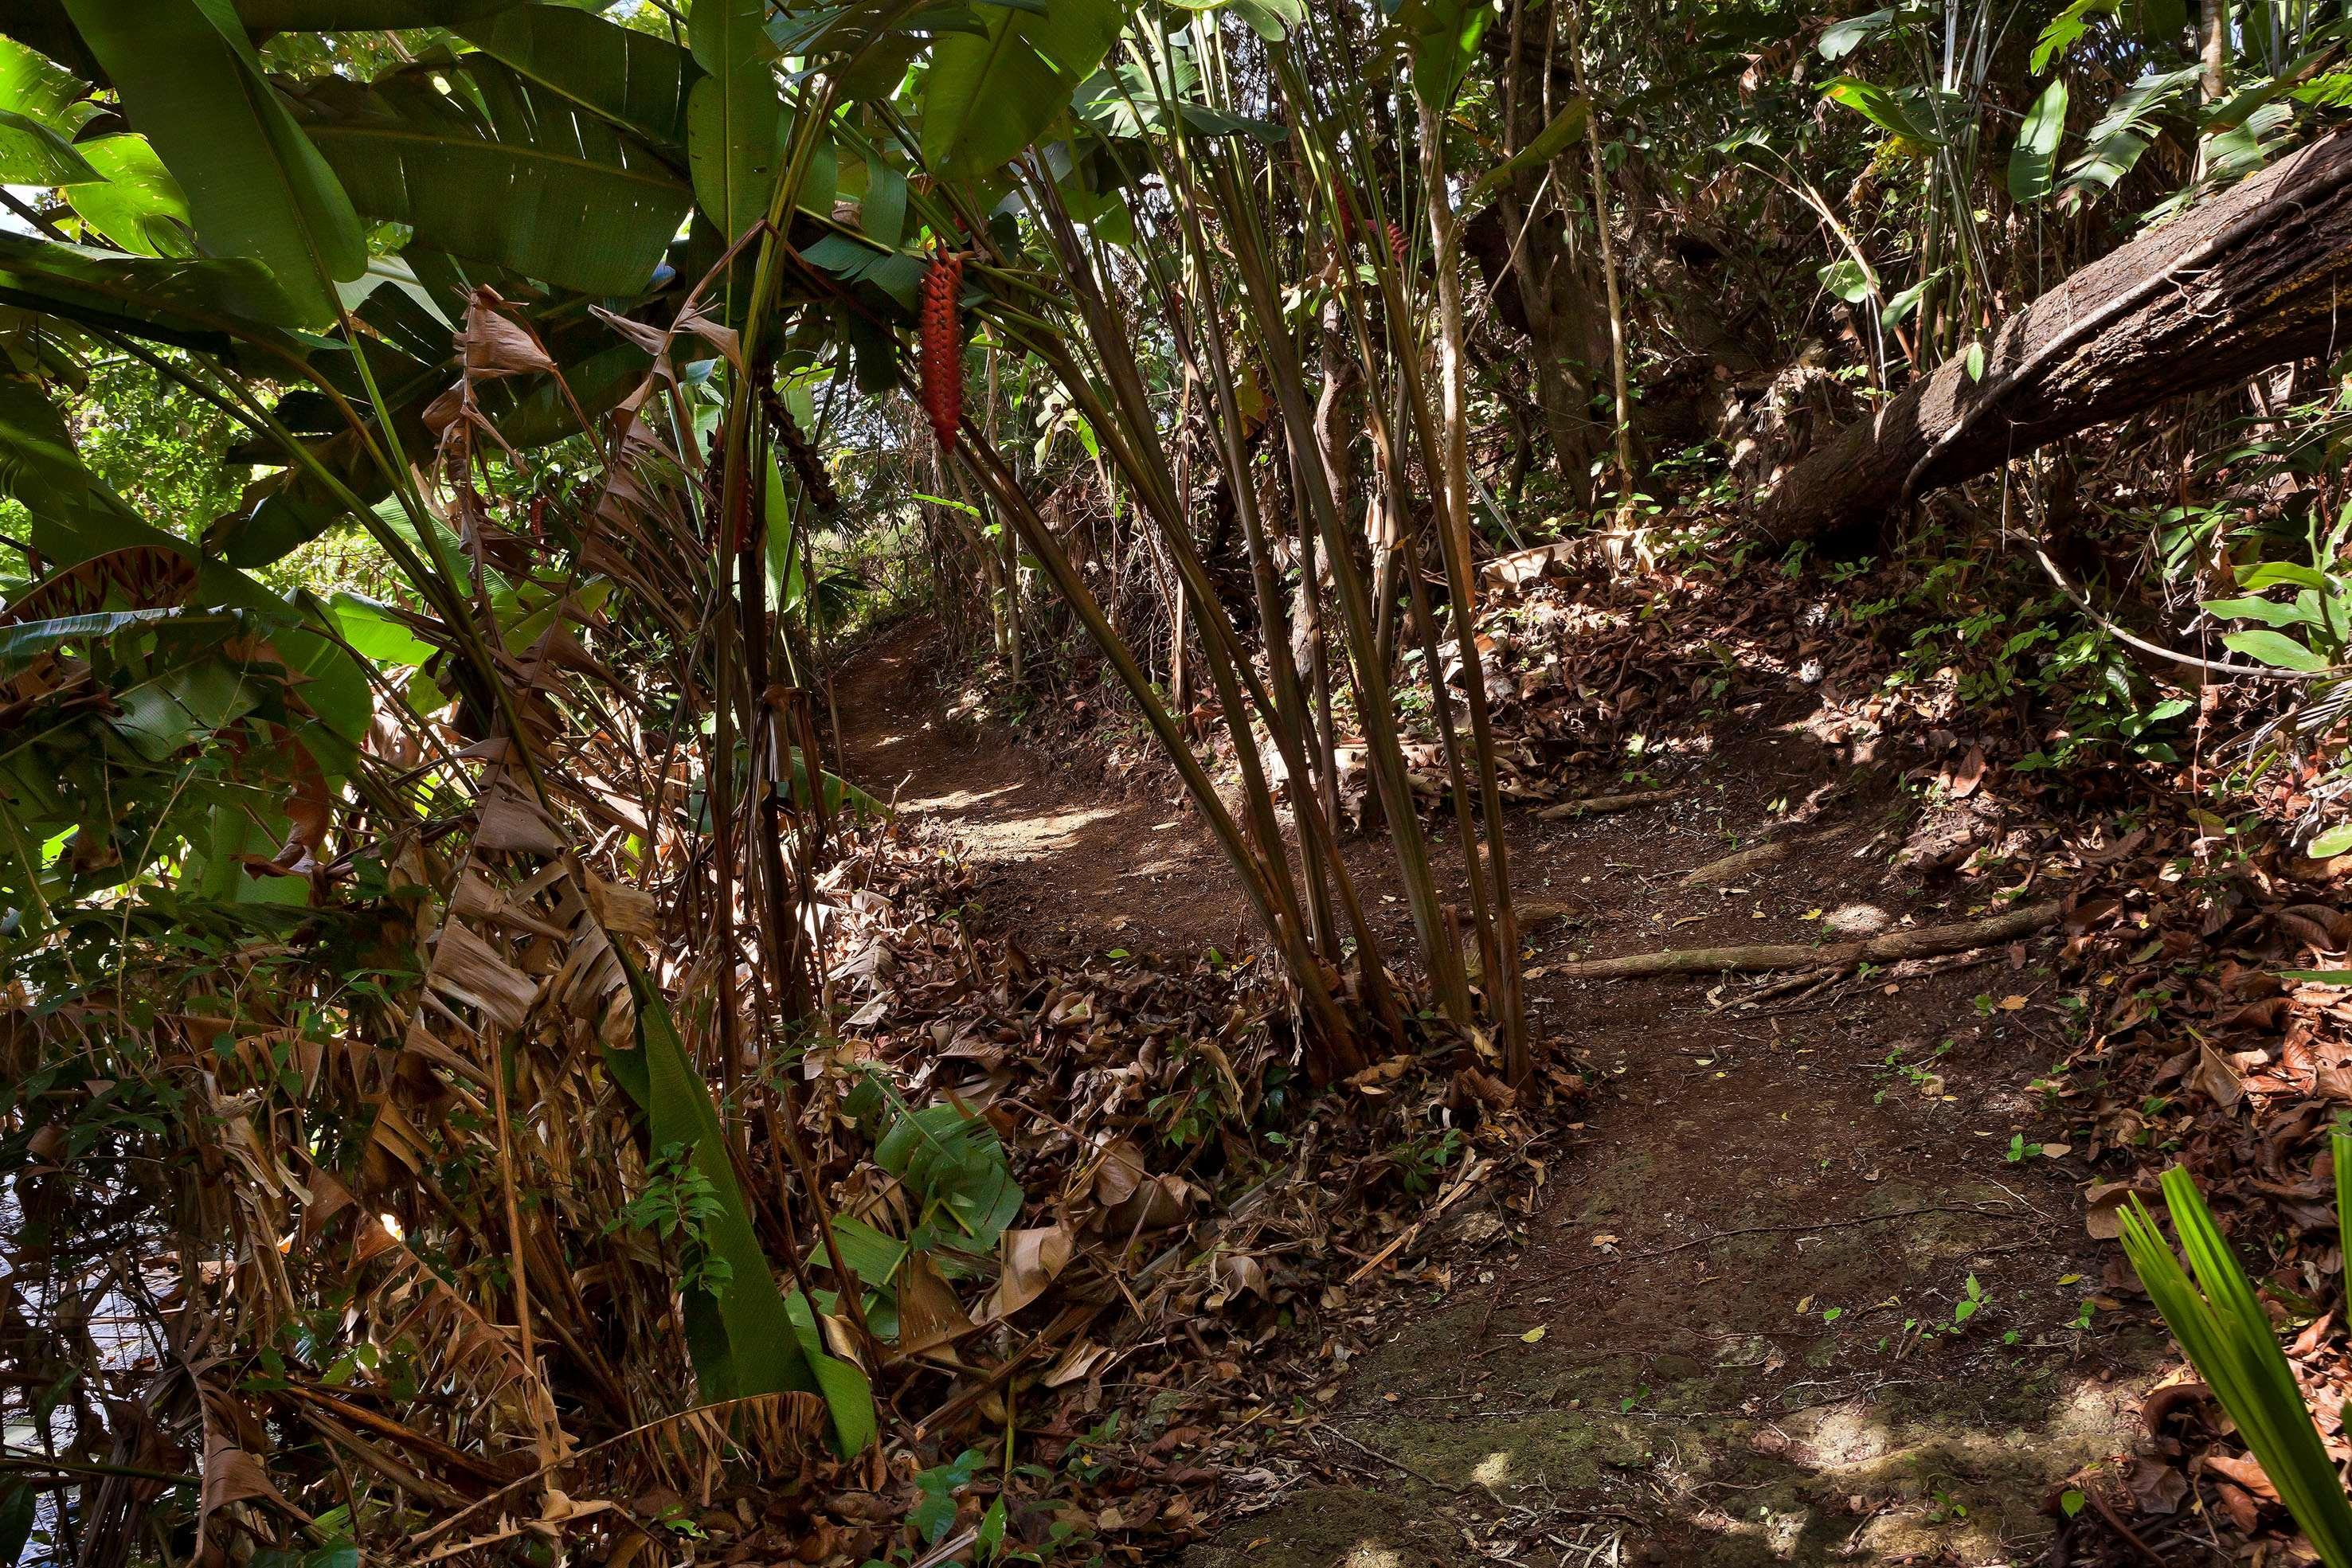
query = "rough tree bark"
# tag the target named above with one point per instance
(2253, 277)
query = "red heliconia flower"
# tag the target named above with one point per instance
(943, 364)
(1396, 241)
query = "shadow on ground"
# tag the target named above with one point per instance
(1812, 1285)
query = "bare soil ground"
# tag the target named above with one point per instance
(1811, 1285)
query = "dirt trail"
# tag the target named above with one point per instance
(1811, 1286)
(1067, 865)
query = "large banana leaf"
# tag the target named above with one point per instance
(633, 79)
(194, 88)
(990, 95)
(355, 16)
(1446, 34)
(734, 119)
(204, 303)
(502, 170)
(32, 154)
(137, 203)
(39, 88)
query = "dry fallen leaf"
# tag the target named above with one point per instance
(1032, 1258)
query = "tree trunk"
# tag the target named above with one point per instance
(2247, 280)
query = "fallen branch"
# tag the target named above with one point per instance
(1738, 863)
(1594, 805)
(1884, 948)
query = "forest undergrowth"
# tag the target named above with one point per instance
(890, 783)
(1748, 781)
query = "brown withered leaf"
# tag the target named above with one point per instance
(1033, 1260)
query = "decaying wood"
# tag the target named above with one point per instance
(1594, 805)
(1772, 851)
(2249, 280)
(1884, 948)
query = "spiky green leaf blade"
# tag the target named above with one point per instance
(2220, 1323)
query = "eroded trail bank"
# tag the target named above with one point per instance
(1811, 1285)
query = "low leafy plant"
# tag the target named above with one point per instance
(2213, 1311)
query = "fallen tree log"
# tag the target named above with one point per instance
(2249, 279)
(1886, 948)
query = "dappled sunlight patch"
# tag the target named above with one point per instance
(958, 800)
(1857, 920)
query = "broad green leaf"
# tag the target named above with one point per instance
(1899, 308)
(36, 87)
(1973, 362)
(734, 118)
(989, 96)
(633, 79)
(1885, 109)
(1271, 20)
(2334, 842)
(954, 1167)
(359, 16)
(1840, 39)
(1546, 144)
(373, 630)
(2271, 573)
(869, 1254)
(2270, 612)
(734, 125)
(745, 1341)
(2036, 157)
(1445, 36)
(503, 172)
(32, 154)
(31, 638)
(139, 205)
(1848, 279)
(201, 304)
(2115, 143)
(2064, 29)
(194, 86)
(2275, 649)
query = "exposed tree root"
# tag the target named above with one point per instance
(1884, 948)
(1772, 851)
(1594, 805)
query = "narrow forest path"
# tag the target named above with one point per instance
(1811, 1285)
(1065, 865)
